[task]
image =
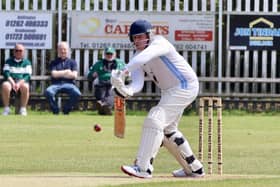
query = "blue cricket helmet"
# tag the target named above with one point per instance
(139, 27)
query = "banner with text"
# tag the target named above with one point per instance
(254, 32)
(33, 30)
(91, 30)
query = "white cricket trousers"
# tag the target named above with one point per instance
(173, 102)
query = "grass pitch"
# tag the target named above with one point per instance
(46, 150)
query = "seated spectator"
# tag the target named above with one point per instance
(17, 72)
(100, 72)
(63, 74)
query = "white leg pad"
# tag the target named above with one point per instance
(151, 140)
(180, 148)
(196, 165)
(173, 149)
(182, 143)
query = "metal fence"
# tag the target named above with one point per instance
(222, 72)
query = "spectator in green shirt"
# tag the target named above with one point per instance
(17, 72)
(100, 72)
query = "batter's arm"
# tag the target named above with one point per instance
(157, 48)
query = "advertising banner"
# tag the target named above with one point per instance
(33, 30)
(98, 30)
(254, 32)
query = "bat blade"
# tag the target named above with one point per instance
(119, 112)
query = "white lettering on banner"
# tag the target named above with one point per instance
(257, 32)
(261, 43)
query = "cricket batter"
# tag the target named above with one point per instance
(179, 86)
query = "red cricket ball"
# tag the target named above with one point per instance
(97, 127)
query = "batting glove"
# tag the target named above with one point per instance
(123, 91)
(116, 78)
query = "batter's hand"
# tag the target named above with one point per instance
(117, 81)
(123, 91)
(117, 78)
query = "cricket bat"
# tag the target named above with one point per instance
(119, 112)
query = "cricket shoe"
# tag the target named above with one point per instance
(136, 172)
(194, 174)
(106, 109)
(6, 111)
(103, 108)
(23, 111)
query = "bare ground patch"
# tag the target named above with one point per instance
(90, 180)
